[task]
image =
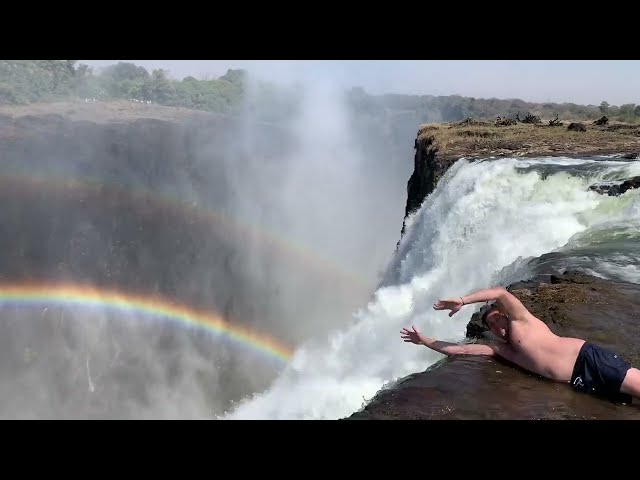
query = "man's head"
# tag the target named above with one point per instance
(495, 320)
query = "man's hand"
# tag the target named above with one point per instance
(453, 304)
(448, 348)
(412, 336)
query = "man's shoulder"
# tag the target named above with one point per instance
(522, 315)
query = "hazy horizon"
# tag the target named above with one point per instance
(586, 82)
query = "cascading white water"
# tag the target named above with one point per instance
(483, 217)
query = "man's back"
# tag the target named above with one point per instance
(530, 343)
(536, 348)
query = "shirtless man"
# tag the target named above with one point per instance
(527, 341)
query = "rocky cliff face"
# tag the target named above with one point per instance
(428, 168)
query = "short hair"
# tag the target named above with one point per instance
(485, 310)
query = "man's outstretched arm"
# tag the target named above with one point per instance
(446, 348)
(484, 295)
(509, 302)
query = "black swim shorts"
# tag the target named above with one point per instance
(601, 372)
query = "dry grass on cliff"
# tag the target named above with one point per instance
(476, 138)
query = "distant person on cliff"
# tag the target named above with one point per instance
(526, 341)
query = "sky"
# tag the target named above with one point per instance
(578, 81)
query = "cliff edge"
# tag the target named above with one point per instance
(439, 145)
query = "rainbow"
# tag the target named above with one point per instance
(39, 180)
(88, 296)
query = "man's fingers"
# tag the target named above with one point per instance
(442, 304)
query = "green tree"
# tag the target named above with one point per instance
(604, 108)
(161, 89)
(237, 77)
(627, 109)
